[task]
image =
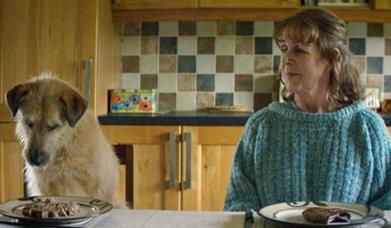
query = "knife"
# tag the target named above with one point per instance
(248, 218)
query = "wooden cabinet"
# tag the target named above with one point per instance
(62, 37)
(76, 40)
(249, 4)
(245, 10)
(177, 167)
(11, 164)
(155, 4)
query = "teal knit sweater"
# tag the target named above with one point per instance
(285, 154)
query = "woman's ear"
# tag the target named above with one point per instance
(336, 53)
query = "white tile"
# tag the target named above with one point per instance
(243, 64)
(130, 81)
(375, 46)
(245, 99)
(224, 83)
(186, 101)
(149, 64)
(168, 28)
(263, 28)
(276, 50)
(357, 29)
(225, 45)
(206, 28)
(206, 64)
(167, 83)
(263, 83)
(130, 45)
(387, 65)
(387, 29)
(187, 45)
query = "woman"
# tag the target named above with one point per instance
(322, 143)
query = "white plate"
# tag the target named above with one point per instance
(89, 208)
(291, 213)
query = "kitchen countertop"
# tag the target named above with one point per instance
(188, 118)
(177, 118)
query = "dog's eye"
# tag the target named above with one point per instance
(29, 123)
(52, 127)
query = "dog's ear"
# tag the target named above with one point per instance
(75, 106)
(14, 96)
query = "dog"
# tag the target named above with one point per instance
(65, 151)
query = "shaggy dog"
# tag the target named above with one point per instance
(65, 151)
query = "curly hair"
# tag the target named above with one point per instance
(327, 31)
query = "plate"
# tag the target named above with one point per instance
(89, 208)
(291, 213)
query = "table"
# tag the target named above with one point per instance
(171, 219)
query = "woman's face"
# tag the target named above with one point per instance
(304, 71)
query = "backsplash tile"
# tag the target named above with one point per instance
(244, 28)
(224, 99)
(149, 28)
(197, 64)
(187, 28)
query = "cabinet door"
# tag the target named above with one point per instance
(152, 149)
(212, 149)
(382, 4)
(248, 4)
(11, 164)
(155, 4)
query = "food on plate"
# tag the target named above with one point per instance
(49, 208)
(326, 215)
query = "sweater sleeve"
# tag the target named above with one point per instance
(241, 192)
(381, 184)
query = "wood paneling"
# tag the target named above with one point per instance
(155, 4)
(11, 164)
(249, 4)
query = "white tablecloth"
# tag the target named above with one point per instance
(171, 219)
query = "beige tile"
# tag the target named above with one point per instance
(263, 64)
(206, 64)
(263, 83)
(224, 64)
(245, 99)
(375, 80)
(206, 28)
(187, 45)
(204, 100)
(167, 101)
(244, 64)
(357, 29)
(387, 65)
(167, 83)
(225, 45)
(149, 64)
(168, 28)
(130, 45)
(263, 28)
(225, 28)
(149, 45)
(186, 101)
(375, 46)
(224, 82)
(130, 81)
(148, 81)
(186, 82)
(168, 63)
(244, 45)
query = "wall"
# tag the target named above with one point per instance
(198, 64)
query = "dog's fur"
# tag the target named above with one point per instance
(65, 151)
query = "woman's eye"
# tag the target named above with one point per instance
(52, 127)
(283, 49)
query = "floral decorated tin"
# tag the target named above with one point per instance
(133, 101)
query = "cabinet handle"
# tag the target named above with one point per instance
(87, 66)
(172, 148)
(187, 183)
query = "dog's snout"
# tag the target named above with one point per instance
(37, 158)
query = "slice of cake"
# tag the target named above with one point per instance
(326, 215)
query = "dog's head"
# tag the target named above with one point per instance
(45, 110)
